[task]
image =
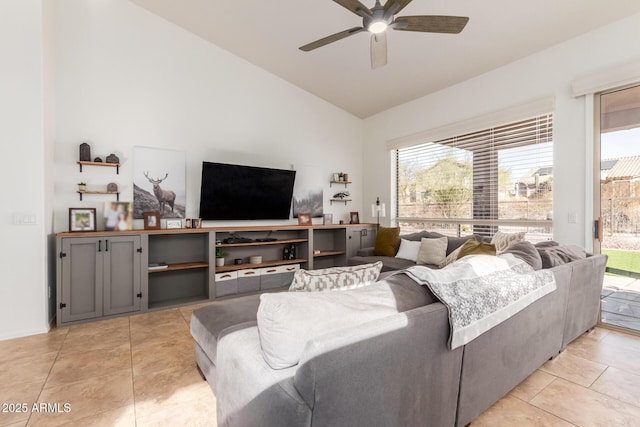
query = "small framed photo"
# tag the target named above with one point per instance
(304, 218)
(151, 220)
(354, 218)
(336, 177)
(118, 216)
(327, 219)
(82, 219)
(174, 223)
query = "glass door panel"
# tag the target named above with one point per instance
(619, 223)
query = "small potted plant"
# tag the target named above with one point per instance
(341, 176)
(220, 254)
(82, 186)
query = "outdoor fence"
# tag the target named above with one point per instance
(453, 219)
(621, 215)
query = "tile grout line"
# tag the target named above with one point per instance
(47, 378)
(543, 409)
(599, 376)
(133, 383)
(555, 377)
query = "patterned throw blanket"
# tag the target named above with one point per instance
(482, 291)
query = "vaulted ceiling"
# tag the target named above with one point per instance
(269, 33)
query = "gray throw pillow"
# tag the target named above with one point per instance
(527, 252)
(557, 255)
(546, 244)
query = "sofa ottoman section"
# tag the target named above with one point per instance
(207, 324)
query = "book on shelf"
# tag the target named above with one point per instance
(158, 265)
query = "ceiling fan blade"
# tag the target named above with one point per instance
(431, 23)
(378, 50)
(401, 5)
(330, 39)
(355, 6)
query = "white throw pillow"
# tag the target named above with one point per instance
(432, 251)
(288, 320)
(409, 250)
(503, 240)
(335, 278)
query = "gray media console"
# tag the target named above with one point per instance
(104, 274)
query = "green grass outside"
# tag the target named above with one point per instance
(623, 260)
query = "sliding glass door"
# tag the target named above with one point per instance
(618, 226)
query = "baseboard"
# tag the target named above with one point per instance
(20, 334)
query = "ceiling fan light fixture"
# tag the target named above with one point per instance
(377, 27)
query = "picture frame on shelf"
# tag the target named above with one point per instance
(151, 220)
(118, 216)
(354, 218)
(174, 224)
(304, 218)
(82, 219)
(327, 219)
(336, 177)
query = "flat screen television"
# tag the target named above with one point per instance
(236, 192)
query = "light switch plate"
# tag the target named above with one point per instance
(24, 218)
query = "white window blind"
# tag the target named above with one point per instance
(501, 177)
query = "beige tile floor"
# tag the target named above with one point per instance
(140, 370)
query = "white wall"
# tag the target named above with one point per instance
(23, 290)
(125, 78)
(547, 73)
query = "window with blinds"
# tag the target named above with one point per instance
(498, 178)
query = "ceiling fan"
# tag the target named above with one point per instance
(377, 19)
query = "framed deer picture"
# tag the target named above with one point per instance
(159, 182)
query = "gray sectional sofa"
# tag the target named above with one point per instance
(368, 256)
(394, 370)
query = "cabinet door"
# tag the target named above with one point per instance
(81, 279)
(359, 238)
(369, 237)
(122, 265)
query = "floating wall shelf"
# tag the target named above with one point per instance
(112, 165)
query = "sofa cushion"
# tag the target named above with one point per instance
(208, 322)
(504, 240)
(408, 250)
(557, 255)
(432, 251)
(388, 263)
(527, 252)
(474, 247)
(335, 278)
(387, 241)
(418, 236)
(286, 321)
